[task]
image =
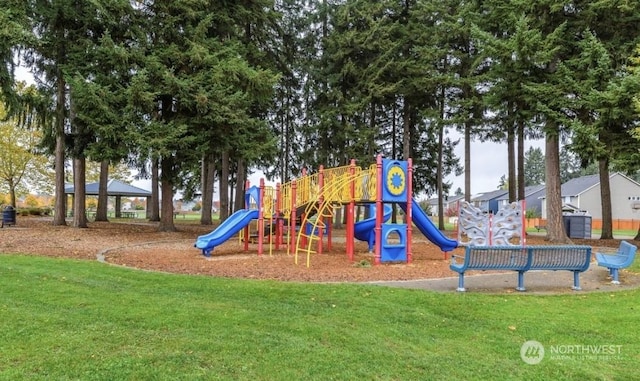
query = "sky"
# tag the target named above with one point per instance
(488, 164)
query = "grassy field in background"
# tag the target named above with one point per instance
(65, 319)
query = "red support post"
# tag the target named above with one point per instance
(409, 216)
(379, 212)
(278, 216)
(320, 217)
(329, 224)
(523, 234)
(246, 230)
(293, 217)
(261, 218)
(351, 211)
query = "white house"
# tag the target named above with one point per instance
(583, 193)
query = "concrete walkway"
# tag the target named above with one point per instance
(595, 279)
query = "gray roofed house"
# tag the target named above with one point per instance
(448, 202)
(583, 193)
(488, 201)
(575, 187)
(533, 195)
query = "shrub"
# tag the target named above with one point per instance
(532, 213)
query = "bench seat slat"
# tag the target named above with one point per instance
(612, 260)
(621, 259)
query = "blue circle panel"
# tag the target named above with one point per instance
(395, 178)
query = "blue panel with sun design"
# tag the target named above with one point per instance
(394, 176)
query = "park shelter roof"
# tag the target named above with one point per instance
(114, 188)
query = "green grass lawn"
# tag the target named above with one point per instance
(62, 319)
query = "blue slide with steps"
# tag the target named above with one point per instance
(236, 222)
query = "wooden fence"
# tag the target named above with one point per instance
(595, 223)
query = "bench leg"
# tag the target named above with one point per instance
(614, 276)
(576, 281)
(461, 283)
(520, 281)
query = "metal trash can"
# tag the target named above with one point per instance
(8, 216)
(577, 225)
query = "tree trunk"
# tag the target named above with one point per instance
(511, 162)
(439, 168)
(406, 145)
(12, 195)
(605, 199)
(467, 161)
(521, 178)
(240, 183)
(283, 156)
(103, 197)
(208, 172)
(224, 187)
(166, 213)
(555, 226)
(439, 176)
(154, 202)
(60, 208)
(79, 201)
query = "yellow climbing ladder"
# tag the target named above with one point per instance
(336, 191)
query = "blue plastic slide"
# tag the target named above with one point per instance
(364, 230)
(426, 227)
(226, 230)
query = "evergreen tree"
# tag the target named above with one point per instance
(559, 23)
(194, 87)
(55, 22)
(13, 36)
(509, 45)
(602, 109)
(534, 166)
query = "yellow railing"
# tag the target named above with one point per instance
(337, 184)
(336, 190)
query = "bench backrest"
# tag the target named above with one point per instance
(526, 258)
(575, 258)
(496, 257)
(627, 250)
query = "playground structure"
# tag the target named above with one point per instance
(300, 213)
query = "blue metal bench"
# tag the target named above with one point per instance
(523, 259)
(618, 260)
